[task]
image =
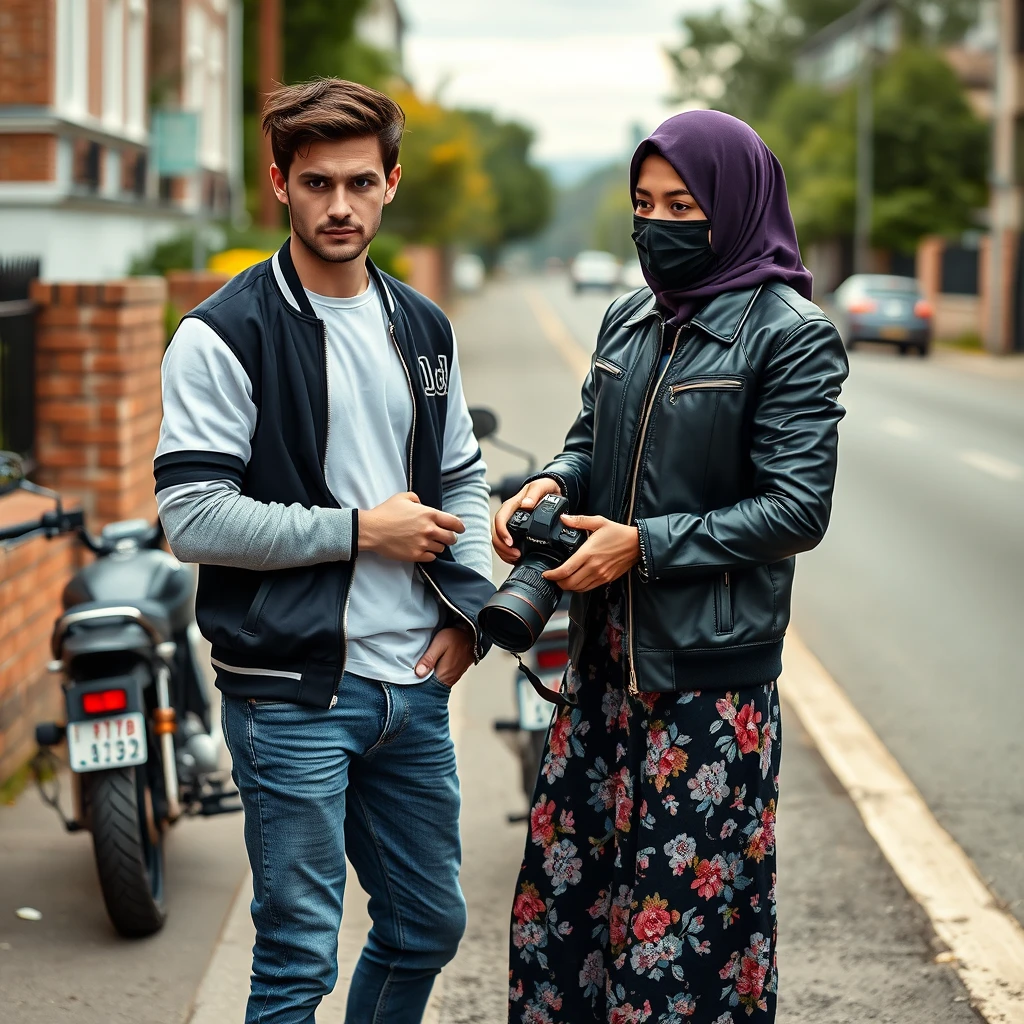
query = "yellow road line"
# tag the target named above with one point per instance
(987, 942)
(560, 337)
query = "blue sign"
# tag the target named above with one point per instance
(175, 142)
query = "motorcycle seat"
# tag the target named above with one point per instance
(149, 613)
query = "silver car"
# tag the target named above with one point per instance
(886, 308)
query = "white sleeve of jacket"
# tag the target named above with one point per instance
(209, 419)
(464, 490)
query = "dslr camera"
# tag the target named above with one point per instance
(516, 615)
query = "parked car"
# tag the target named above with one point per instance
(468, 273)
(886, 308)
(632, 277)
(594, 269)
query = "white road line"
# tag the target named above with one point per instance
(560, 337)
(1002, 469)
(896, 427)
(987, 942)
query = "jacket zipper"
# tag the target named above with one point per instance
(650, 399)
(722, 384)
(408, 473)
(352, 571)
(608, 367)
(723, 598)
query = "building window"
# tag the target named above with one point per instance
(113, 62)
(72, 63)
(86, 165)
(214, 137)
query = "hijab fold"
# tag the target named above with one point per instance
(740, 185)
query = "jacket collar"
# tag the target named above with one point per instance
(722, 318)
(287, 278)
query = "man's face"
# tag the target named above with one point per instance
(336, 193)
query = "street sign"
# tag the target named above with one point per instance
(175, 136)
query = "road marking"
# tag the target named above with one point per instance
(987, 942)
(561, 338)
(224, 990)
(1002, 469)
(896, 427)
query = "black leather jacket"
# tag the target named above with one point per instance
(725, 459)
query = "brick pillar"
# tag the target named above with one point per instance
(1009, 274)
(929, 267)
(98, 352)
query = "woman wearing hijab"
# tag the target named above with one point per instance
(702, 462)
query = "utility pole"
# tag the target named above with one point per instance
(1002, 215)
(865, 142)
(270, 77)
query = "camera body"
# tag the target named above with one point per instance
(542, 536)
(515, 616)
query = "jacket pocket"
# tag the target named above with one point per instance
(723, 604)
(252, 616)
(706, 384)
(607, 366)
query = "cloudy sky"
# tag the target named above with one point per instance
(580, 72)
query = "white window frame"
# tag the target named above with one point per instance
(136, 57)
(71, 90)
(113, 63)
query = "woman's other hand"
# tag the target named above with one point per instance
(610, 552)
(527, 498)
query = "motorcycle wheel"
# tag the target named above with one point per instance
(532, 756)
(130, 863)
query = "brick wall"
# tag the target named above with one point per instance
(187, 288)
(28, 157)
(99, 348)
(26, 52)
(32, 575)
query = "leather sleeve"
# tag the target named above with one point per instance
(793, 450)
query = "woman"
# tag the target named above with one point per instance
(702, 462)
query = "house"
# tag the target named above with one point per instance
(382, 26)
(78, 187)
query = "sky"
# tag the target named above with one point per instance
(581, 73)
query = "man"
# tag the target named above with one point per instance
(317, 460)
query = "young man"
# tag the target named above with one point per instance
(317, 460)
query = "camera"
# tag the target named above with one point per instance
(516, 615)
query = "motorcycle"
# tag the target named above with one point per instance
(139, 740)
(549, 656)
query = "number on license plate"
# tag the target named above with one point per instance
(534, 710)
(116, 742)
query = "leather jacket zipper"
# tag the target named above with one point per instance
(649, 399)
(408, 473)
(608, 367)
(707, 384)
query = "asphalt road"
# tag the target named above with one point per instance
(915, 600)
(854, 947)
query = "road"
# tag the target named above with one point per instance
(914, 601)
(853, 947)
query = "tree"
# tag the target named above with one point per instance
(522, 190)
(930, 154)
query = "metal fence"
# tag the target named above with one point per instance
(17, 356)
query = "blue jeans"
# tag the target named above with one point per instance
(373, 778)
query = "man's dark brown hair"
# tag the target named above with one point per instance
(329, 108)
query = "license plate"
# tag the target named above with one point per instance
(894, 333)
(534, 711)
(116, 742)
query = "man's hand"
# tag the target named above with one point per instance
(527, 498)
(449, 655)
(404, 530)
(610, 552)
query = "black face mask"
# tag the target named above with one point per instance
(676, 253)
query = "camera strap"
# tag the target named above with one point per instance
(562, 700)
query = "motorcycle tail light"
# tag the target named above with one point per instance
(557, 657)
(104, 701)
(923, 310)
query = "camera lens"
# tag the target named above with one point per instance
(516, 615)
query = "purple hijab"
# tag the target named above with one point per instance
(740, 185)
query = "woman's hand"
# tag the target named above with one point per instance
(527, 498)
(610, 552)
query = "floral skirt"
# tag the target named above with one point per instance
(647, 891)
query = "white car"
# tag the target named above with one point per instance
(594, 269)
(468, 273)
